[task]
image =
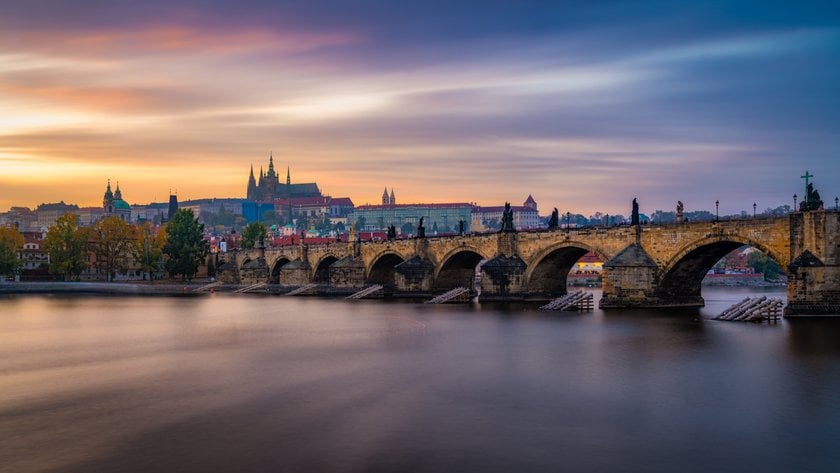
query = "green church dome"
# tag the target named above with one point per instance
(121, 205)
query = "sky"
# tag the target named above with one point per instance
(583, 104)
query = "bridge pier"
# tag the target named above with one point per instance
(414, 275)
(348, 272)
(296, 273)
(630, 279)
(503, 276)
(814, 272)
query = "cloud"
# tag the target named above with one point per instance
(583, 106)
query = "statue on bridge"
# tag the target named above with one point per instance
(421, 230)
(812, 199)
(507, 219)
(461, 227)
(392, 232)
(634, 217)
(680, 212)
(554, 221)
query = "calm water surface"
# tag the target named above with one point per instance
(224, 383)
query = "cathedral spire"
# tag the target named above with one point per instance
(271, 172)
(288, 176)
(117, 193)
(385, 198)
(393, 199)
(251, 193)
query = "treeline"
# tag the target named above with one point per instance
(112, 245)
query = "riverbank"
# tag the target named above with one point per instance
(79, 287)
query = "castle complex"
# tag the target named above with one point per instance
(269, 188)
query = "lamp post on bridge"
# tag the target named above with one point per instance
(794, 202)
(568, 218)
(717, 209)
(837, 203)
(754, 206)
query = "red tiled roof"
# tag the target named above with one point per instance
(342, 201)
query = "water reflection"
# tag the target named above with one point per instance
(224, 383)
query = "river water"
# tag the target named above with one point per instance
(226, 383)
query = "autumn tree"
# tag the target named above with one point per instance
(253, 233)
(11, 242)
(185, 245)
(148, 248)
(66, 245)
(111, 239)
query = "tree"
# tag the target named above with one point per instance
(253, 233)
(148, 249)
(185, 245)
(325, 224)
(11, 242)
(763, 264)
(66, 244)
(407, 228)
(111, 239)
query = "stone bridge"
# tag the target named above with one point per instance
(645, 266)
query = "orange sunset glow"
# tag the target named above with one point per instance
(188, 97)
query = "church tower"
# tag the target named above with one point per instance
(385, 198)
(108, 200)
(393, 199)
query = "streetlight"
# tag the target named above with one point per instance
(837, 203)
(794, 202)
(717, 208)
(754, 206)
(568, 218)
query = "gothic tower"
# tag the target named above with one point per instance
(393, 199)
(385, 198)
(252, 186)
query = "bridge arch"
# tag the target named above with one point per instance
(548, 270)
(681, 277)
(276, 267)
(244, 262)
(382, 270)
(457, 268)
(321, 273)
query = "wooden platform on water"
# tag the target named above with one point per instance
(580, 301)
(753, 309)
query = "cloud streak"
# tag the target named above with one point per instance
(584, 107)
